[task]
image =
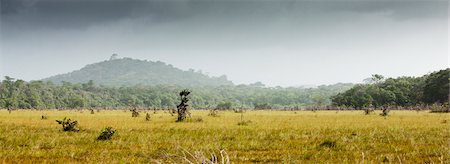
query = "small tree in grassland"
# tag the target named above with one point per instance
(68, 124)
(183, 106)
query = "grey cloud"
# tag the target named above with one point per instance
(277, 42)
(400, 10)
(83, 13)
(79, 14)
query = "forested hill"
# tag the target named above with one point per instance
(131, 72)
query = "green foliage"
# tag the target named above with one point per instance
(262, 106)
(436, 87)
(357, 97)
(40, 95)
(131, 72)
(68, 125)
(224, 105)
(106, 133)
(402, 91)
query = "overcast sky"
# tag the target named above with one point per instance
(286, 43)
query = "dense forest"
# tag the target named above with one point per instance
(210, 92)
(18, 94)
(382, 93)
(129, 72)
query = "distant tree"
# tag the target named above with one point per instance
(374, 79)
(319, 100)
(356, 97)
(257, 84)
(436, 87)
(89, 86)
(377, 78)
(224, 105)
(113, 56)
(262, 106)
(380, 97)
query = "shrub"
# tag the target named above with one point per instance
(224, 105)
(262, 106)
(44, 117)
(244, 123)
(384, 112)
(328, 143)
(106, 133)
(147, 117)
(183, 106)
(367, 111)
(134, 113)
(238, 110)
(437, 108)
(68, 124)
(213, 113)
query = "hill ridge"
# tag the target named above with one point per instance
(129, 72)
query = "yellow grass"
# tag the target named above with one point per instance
(270, 137)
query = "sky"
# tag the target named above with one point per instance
(280, 43)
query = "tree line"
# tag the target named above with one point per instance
(381, 93)
(19, 94)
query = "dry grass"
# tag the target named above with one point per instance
(272, 137)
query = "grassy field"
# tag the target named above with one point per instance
(270, 137)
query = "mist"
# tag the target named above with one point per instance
(280, 43)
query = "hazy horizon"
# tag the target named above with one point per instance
(282, 43)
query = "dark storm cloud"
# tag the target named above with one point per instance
(400, 10)
(276, 42)
(82, 13)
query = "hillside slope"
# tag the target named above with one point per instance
(130, 72)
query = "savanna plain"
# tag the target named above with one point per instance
(249, 137)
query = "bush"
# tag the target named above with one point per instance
(44, 117)
(384, 112)
(437, 108)
(134, 113)
(213, 113)
(238, 110)
(328, 143)
(244, 123)
(106, 133)
(147, 117)
(224, 105)
(367, 111)
(262, 106)
(68, 125)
